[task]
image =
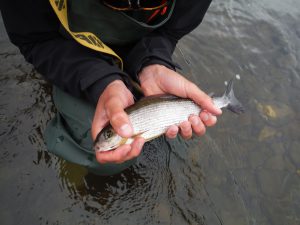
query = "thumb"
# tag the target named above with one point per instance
(118, 117)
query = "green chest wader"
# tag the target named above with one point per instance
(68, 134)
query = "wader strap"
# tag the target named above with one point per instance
(86, 39)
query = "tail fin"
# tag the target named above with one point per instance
(234, 104)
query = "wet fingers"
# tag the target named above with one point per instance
(208, 119)
(136, 148)
(197, 125)
(172, 131)
(186, 130)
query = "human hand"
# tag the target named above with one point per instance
(157, 79)
(110, 108)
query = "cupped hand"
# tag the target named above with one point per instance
(110, 108)
(157, 79)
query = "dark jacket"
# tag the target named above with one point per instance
(33, 26)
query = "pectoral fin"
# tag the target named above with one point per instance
(140, 134)
(131, 139)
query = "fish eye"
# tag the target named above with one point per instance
(108, 134)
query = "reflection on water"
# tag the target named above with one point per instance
(246, 170)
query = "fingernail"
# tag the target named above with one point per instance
(195, 120)
(205, 117)
(125, 129)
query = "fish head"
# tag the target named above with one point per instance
(107, 140)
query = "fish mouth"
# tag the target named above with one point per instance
(106, 147)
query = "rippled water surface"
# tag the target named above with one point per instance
(245, 170)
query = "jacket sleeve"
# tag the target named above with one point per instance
(159, 45)
(75, 69)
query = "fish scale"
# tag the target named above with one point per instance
(160, 116)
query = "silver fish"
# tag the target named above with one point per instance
(151, 117)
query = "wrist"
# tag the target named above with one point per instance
(150, 71)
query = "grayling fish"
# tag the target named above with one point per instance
(151, 117)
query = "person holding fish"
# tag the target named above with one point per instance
(90, 51)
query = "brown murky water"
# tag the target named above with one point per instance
(245, 170)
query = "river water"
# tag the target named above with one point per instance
(244, 171)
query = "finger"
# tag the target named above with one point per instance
(115, 156)
(172, 131)
(197, 125)
(202, 99)
(136, 148)
(208, 119)
(118, 117)
(186, 130)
